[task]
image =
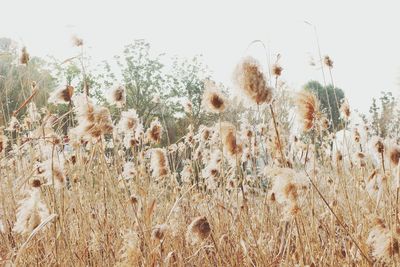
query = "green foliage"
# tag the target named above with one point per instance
(385, 118)
(330, 105)
(16, 80)
(146, 78)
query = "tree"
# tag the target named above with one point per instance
(16, 80)
(385, 118)
(188, 77)
(330, 105)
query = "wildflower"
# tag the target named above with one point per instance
(198, 230)
(213, 99)
(308, 108)
(252, 81)
(159, 163)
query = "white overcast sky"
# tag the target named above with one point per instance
(362, 37)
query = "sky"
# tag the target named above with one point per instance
(361, 37)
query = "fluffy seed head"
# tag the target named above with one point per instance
(394, 154)
(252, 82)
(24, 59)
(229, 140)
(213, 99)
(308, 108)
(154, 133)
(328, 61)
(345, 110)
(198, 230)
(159, 163)
(117, 96)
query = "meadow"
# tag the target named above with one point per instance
(99, 187)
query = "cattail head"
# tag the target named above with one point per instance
(24, 59)
(31, 212)
(229, 139)
(328, 61)
(325, 123)
(76, 41)
(159, 232)
(277, 70)
(62, 95)
(345, 110)
(159, 163)
(117, 96)
(133, 199)
(379, 146)
(213, 99)
(252, 82)
(339, 156)
(394, 155)
(129, 121)
(308, 108)
(154, 132)
(36, 183)
(100, 123)
(198, 230)
(357, 136)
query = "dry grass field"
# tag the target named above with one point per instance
(234, 193)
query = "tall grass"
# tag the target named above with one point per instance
(241, 193)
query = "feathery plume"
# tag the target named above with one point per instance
(252, 81)
(213, 99)
(24, 59)
(198, 230)
(308, 108)
(31, 212)
(76, 41)
(154, 132)
(328, 61)
(129, 121)
(229, 140)
(62, 95)
(159, 163)
(117, 96)
(345, 110)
